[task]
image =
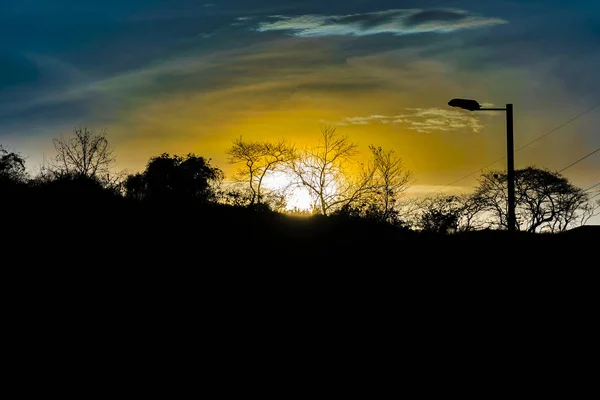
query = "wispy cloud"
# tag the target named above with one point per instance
(424, 120)
(397, 22)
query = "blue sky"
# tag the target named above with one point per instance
(182, 75)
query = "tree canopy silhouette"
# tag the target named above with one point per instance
(545, 200)
(13, 177)
(12, 167)
(175, 177)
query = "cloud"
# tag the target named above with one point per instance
(299, 67)
(397, 22)
(423, 120)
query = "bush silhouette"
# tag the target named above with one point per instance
(175, 178)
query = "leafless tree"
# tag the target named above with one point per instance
(259, 159)
(323, 171)
(589, 210)
(84, 154)
(382, 181)
(389, 178)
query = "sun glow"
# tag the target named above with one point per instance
(297, 197)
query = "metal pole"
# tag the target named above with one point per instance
(510, 158)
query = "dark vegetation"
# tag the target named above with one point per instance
(178, 212)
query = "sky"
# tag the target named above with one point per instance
(185, 76)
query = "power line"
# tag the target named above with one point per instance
(466, 176)
(591, 187)
(521, 148)
(580, 160)
(559, 127)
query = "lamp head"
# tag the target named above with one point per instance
(465, 104)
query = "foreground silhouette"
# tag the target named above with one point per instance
(172, 215)
(77, 223)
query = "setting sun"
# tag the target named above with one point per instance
(285, 123)
(298, 197)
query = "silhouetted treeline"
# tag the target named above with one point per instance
(178, 208)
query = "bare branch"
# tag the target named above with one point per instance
(84, 153)
(259, 159)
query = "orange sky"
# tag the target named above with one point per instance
(158, 89)
(267, 102)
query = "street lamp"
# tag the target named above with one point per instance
(473, 105)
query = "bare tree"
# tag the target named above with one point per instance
(589, 210)
(83, 154)
(389, 178)
(383, 179)
(323, 171)
(259, 160)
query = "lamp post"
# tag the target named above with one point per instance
(473, 105)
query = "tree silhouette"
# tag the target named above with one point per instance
(589, 210)
(259, 159)
(390, 179)
(13, 181)
(385, 180)
(12, 167)
(440, 214)
(83, 154)
(545, 200)
(323, 170)
(175, 178)
(135, 187)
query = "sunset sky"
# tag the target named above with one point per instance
(186, 76)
